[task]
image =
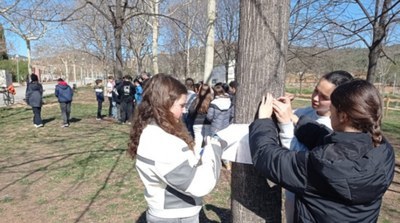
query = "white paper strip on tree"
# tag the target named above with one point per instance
(237, 137)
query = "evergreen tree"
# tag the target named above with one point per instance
(3, 46)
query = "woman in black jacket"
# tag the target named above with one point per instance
(33, 96)
(346, 172)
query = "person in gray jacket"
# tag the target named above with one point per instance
(220, 111)
(33, 96)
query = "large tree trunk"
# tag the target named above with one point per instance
(209, 57)
(260, 68)
(28, 47)
(380, 28)
(118, 52)
(118, 23)
(155, 6)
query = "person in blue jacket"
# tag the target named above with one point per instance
(138, 91)
(99, 90)
(64, 94)
(345, 173)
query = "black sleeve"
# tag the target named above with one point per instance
(310, 133)
(280, 165)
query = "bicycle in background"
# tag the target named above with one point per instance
(8, 94)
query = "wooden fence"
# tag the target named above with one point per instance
(387, 102)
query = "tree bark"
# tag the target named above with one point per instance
(155, 6)
(118, 39)
(260, 68)
(28, 48)
(209, 57)
(379, 26)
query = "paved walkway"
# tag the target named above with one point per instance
(48, 88)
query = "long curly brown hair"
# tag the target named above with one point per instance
(203, 100)
(159, 94)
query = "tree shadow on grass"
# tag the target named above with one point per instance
(59, 158)
(93, 199)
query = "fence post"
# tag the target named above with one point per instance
(387, 101)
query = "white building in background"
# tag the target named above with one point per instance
(5, 78)
(218, 73)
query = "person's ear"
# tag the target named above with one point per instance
(343, 117)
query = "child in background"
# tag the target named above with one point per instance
(99, 89)
(139, 91)
(110, 87)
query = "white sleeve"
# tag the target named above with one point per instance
(208, 170)
(286, 134)
(191, 176)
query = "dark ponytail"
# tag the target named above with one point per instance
(362, 103)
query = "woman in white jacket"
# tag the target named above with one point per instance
(175, 179)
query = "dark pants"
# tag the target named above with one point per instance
(110, 108)
(189, 122)
(99, 107)
(37, 119)
(126, 111)
(65, 111)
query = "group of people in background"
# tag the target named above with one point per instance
(123, 95)
(208, 110)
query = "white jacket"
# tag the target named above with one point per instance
(175, 180)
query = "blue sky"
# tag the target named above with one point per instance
(16, 42)
(16, 45)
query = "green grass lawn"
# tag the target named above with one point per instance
(75, 174)
(82, 173)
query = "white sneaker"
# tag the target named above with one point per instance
(38, 126)
(65, 125)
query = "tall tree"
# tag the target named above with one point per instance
(25, 18)
(210, 36)
(154, 7)
(137, 32)
(263, 36)
(186, 37)
(227, 31)
(371, 28)
(118, 12)
(3, 45)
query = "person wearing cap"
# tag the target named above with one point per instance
(33, 95)
(64, 93)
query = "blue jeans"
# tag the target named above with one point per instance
(110, 107)
(99, 108)
(153, 219)
(115, 110)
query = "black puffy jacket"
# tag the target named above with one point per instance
(34, 94)
(342, 179)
